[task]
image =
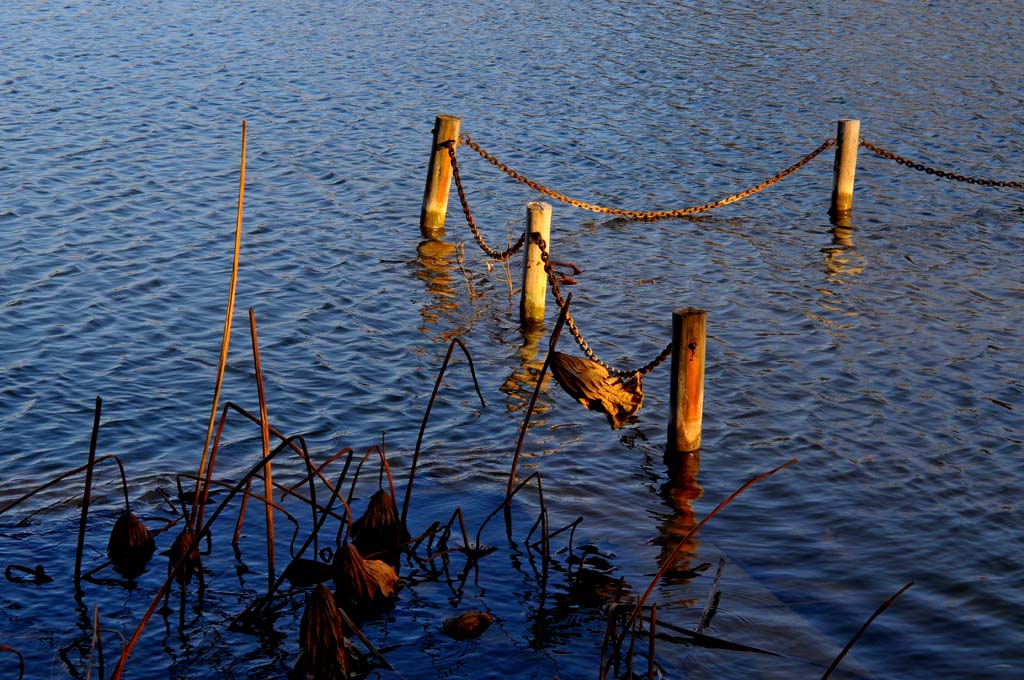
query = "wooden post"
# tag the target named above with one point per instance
(535, 279)
(847, 143)
(439, 177)
(686, 401)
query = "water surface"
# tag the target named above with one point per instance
(886, 356)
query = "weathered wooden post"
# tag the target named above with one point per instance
(845, 167)
(439, 177)
(686, 401)
(535, 279)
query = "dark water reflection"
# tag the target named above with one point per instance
(885, 353)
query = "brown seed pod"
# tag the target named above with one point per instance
(467, 626)
(130, 545)
(364, 585)
(379, 532)
(324, 652)
(185, 547)
(590, 384)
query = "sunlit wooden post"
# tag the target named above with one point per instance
(439, 177)
(686, 401)
(847, 143)
(535, 279)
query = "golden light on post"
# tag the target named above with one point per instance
(439, 177)
(847, 143)
(686, 401)
(535, 279)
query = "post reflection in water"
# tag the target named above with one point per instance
(519, 386)
(437, 265)
(842, 265)
(680, 490)
(842, 258)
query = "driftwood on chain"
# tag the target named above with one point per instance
(590, 384)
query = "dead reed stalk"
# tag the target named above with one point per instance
(21, 660)
(849, 645)
(552, 343)
(268, 487)
(70, 473)
(87, 495)
(426, 417)
(650, 642)
(226, 337)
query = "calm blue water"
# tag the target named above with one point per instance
(887, 358)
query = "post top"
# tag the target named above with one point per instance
(688, 311)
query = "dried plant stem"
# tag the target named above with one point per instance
(237, 535)
(849, 645)
(426, 417)
(229, 313)
(268, 486)
(609, 636)
(319, 469)
(365, 640)
(650, 642)
(88, 494)
(359, 468)
(571, 526)
(504, 504)
(446, 532)
(710, 641)
(710, 606)
(21, 659)
(633, 634)
(70, 473)
(97, 644)
(533, 402)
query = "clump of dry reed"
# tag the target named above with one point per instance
(130, 545)
(378, 532)
(363, 586)
(183, 557)
(325, 653)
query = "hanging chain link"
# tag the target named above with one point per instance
(574, 329)
(645, 215)
(938, 173)
(501, 256)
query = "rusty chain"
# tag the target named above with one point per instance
(574, 329)
(501, 256)
(637, 214)
(938, 173)
(632, 214)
